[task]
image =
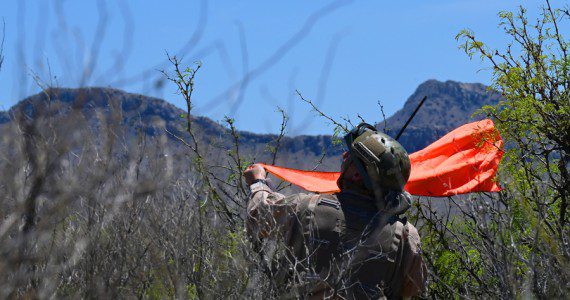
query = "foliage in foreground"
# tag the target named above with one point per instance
(90, 212)
(515, 243)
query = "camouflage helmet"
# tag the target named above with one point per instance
(373, 150)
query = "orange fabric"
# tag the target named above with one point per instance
(313, 181)
(463, 161)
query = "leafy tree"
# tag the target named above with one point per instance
(515, 243)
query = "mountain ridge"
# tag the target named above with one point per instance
(454, 100)
(449, 105)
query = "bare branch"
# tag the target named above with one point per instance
(277, 146)
(385, 129)
(323, 79)
(126, 48)
(322, 114)
(100, 32)
(183, 51)
(2, 43)
(254, 73)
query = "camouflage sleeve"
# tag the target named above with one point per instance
(415, 281)
(270, 213)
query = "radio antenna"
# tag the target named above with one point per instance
(411, 117)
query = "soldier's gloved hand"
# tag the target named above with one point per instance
(253, 173)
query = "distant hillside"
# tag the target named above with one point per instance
(449, 105)
(154, 116)
(4, 117)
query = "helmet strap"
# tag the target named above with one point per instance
(361, 170)
(370, 177)
(379, 192)
(349, 139)
(368, 172)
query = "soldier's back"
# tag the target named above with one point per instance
(358, 252)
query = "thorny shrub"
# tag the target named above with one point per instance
(514, 243)
(89, 211)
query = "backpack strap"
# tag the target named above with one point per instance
(326, 229)
(301, 231)
(313, 201)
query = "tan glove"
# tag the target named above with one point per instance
(253, 173)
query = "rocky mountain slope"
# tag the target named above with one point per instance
(449, 105)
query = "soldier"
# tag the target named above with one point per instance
(354, 244)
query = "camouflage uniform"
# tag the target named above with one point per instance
(340, 243)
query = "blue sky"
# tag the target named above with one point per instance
(352, 56)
